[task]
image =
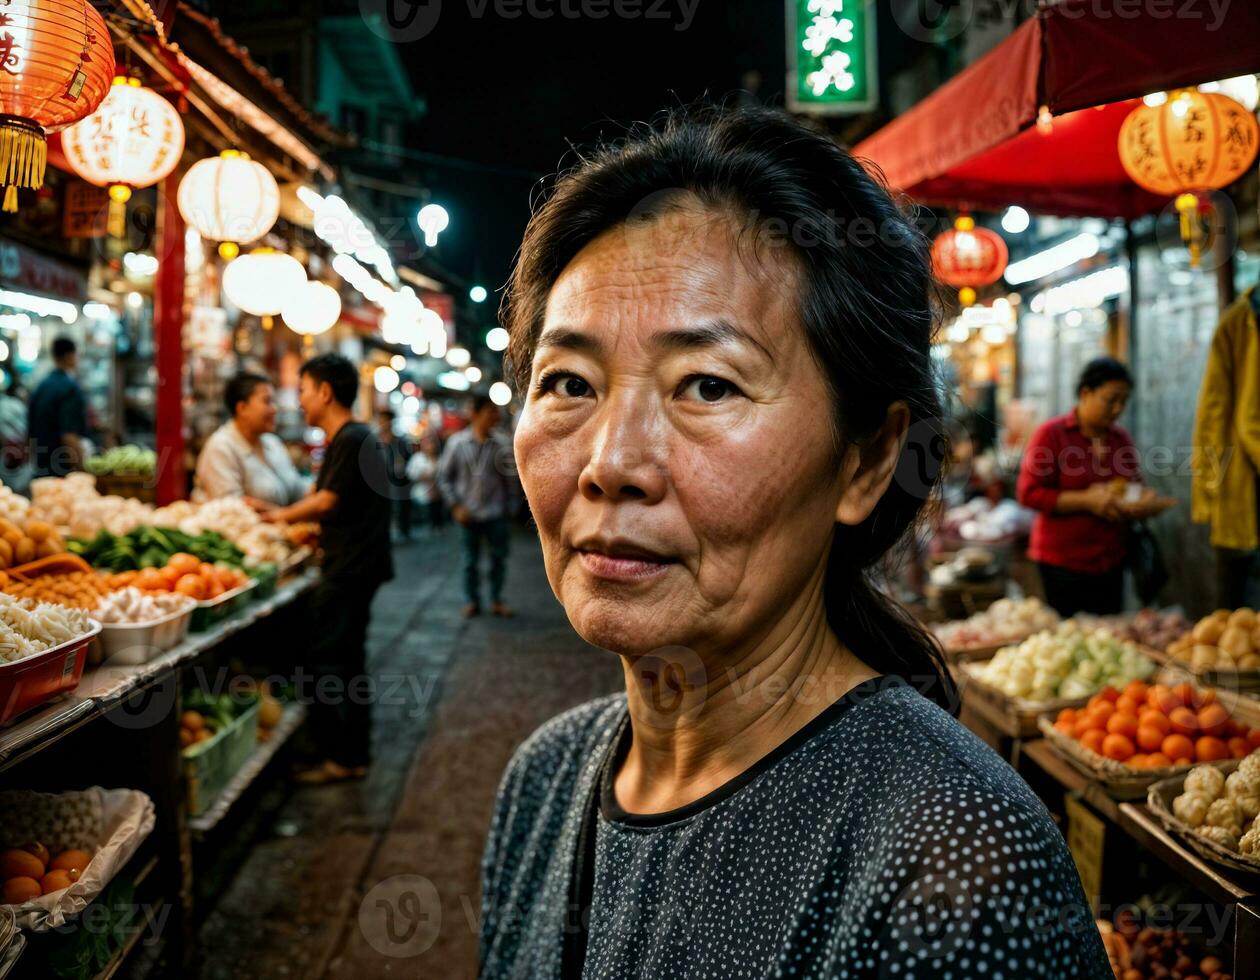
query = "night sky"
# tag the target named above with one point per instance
(514, 93)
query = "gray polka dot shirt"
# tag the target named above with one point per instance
(882, 840)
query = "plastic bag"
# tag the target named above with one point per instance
(111, 823)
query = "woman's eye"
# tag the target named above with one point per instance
(564, 384)
(708, 389)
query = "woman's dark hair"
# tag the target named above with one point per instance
(339, 372)
(240, 388)
(865, 303)
(1101, 370)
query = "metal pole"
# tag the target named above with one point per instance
(168, 342)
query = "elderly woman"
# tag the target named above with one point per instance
(722, 326)
(244, 457)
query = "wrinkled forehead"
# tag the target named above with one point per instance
(685, 265)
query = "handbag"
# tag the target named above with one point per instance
(1146, 562)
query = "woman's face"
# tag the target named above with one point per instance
(258, 412)
(677, 444)
(1100, 407)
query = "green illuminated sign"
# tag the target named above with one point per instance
(831, 56)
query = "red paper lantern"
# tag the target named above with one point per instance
(56, 62)
(967, 257)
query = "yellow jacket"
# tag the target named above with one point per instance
(1227, 432)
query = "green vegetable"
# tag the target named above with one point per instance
(123, 461)
(148, 547)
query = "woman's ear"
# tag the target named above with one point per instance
(868, 468)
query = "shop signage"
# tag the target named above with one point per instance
(24, 269)
(86, 212)
(207, 329)
(831, 56)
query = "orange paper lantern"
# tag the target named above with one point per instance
(134, 139)
(56, 61)
(966, 257)
(1192, 142)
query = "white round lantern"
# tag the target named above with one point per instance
(134, 139)
(263, 281)
(229, 199)
(313, 309)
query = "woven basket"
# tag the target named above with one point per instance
(1159, 800)
(1121, 782)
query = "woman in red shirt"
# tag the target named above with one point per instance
(1073, 473)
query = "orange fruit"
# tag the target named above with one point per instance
(1161, 698)
(1233, 727)
(72, 859)
(54, 881)
(1184, 721)
(1123, 723)
(1238, 747)
(184, 563)
(192, 720)
(1118, 747)
(1138, 761)
(1157, 759)
(1209, 748)
(1102, 711)
(1093, 739)
(1205, 696)
(1149, 738)
(1083, 724)
(1137, 690)
(1177, 746)
(23, 889)
(1212, 719)
(150, 579)
(1155, 719)
(1063, 726)
(1253, 738)
(40, 851)
(1109, 693)
(18, 863)
(1127, 704)
(191, 584)
(1184, 692)
(1067, 714)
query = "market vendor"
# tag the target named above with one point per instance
(1075, 473)
(712, 424)
(244, 457)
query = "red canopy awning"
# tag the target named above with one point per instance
(974, 142)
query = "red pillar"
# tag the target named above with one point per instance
(168, 342)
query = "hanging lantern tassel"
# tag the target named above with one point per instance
(1191, 226)
(23, 158)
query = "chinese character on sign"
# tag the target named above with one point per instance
(831, 56)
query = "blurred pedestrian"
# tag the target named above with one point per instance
(57, 416)
(422, 471)
(351, 502)
(398, 451)
(244, 457)
(475, 481)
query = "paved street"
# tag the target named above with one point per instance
(473, 690)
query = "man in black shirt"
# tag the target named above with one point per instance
(352, 503)
(57, 416)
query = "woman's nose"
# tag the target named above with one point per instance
(628, 460)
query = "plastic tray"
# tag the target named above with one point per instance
(34, 680)
(138, 643)
(210, 612)
(210, 765)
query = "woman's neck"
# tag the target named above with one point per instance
(250, 436)
(715, 719)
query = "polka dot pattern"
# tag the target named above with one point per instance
(892, 843)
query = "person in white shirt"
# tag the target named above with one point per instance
(244, 457)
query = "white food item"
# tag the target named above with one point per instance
(1250, 842)
(1250, 765)
(1223, 813)
(131, 606)
(1206, 781)
(1225, 836)
(1191, 808)
(28, 627)
(1069, 662)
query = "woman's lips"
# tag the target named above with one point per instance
(620, 568)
